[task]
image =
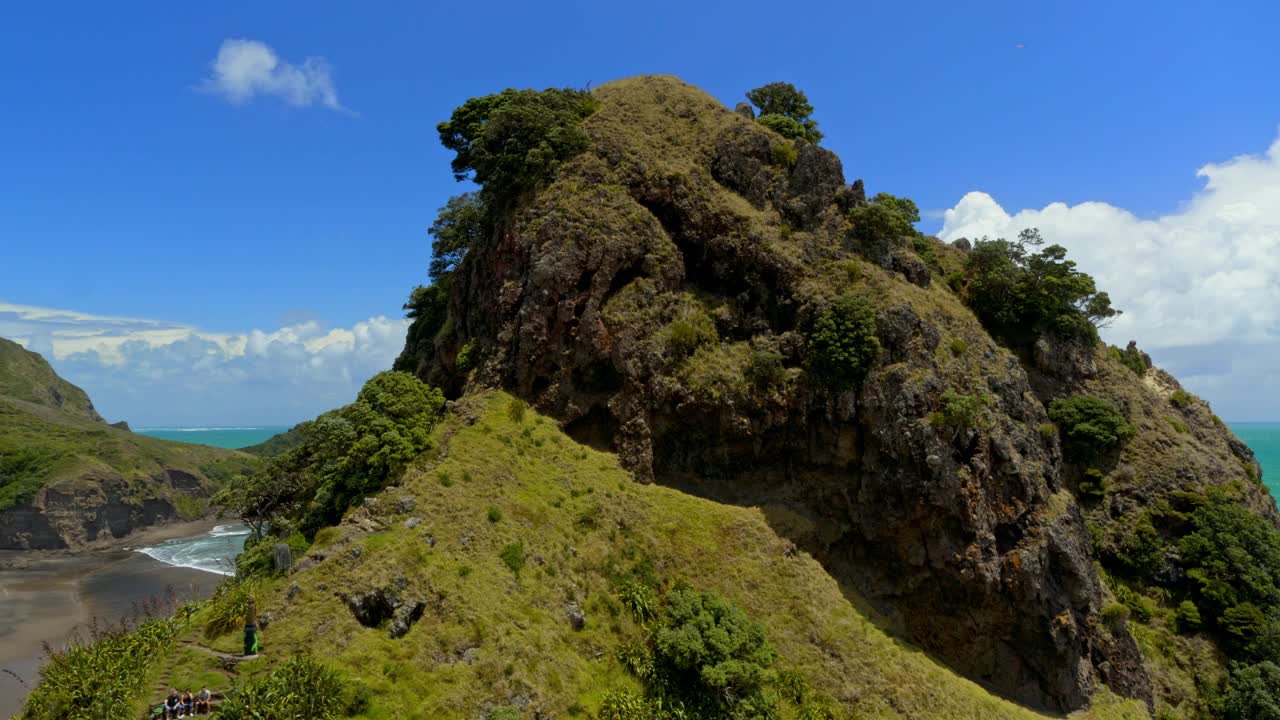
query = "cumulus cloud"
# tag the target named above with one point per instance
(245, 69)
(1200, 287)
(152, 372)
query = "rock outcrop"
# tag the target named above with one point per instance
(655, 298)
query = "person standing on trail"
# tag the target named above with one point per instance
(251, 628)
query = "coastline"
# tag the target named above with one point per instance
(50, 596)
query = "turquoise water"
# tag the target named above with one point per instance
(1264, 439)
(235, 437)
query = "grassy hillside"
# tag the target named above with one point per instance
(25, 375)
(41, 446)
(507, 526)
(277, 444)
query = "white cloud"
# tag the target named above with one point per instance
(1200, 287)
(158, 373)
(244, 69)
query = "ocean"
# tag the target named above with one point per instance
(223, 437)
(1264, 439)
(213, 552)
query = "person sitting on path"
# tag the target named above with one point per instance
(188, 703)
(172, 703)
(202, 701)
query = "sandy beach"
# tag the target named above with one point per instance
(47, 597)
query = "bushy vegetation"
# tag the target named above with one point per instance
(1131, 357)
(958, 411)
(463, 223)
(225, 611)
(22, 473)
(102, 678)
(348, 453)
(785, 109)
(690, 332)
(300, 688)
(1022, 289)
(885, 217)
(842, 343)
(1181, 399)
(516, 139)
(1232, 556)
(1253, 692)
(701, 657)
(1089, 425)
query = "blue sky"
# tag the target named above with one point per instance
(135, 187)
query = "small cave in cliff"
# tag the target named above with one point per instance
(598, 378)
(597, 428)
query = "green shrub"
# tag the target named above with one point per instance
(466, 357)
(517, 139)
(1131, 357)
(1142, 549)
(785, 155)
(687, 334)
(1093, 485)
(1141, 608)
(1177, 425)
(1020, 290)
(622, 705)
(785, 109)
(710, 651)
(764, 370)
(445, 480)
(1115, 615)
(428, 308)
(927, 249)
(463, 223)
(639, 599)
(958, 346)
(346, 455)
(325, 536)
(22, 473)
(1181, 399)
(1253, 692)
(494, 514)
(885, 218)
(512, 556)
(300, 688)
(958, 411)
(1232, 557)
(843, 344)
(228, 607)
(1091, 425)
(516, 408)
(1187, 617)
(1048, 431)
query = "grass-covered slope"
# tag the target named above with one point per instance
(505, 530)
(67, 478)
(25, 375)
(277, 444)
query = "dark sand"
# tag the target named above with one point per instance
(50, 597)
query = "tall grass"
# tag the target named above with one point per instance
(101, 677)
(300, 688)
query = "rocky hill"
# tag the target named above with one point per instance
(68, 479)
(662, 296)
(687, 426)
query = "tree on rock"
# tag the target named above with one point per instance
(785, 110)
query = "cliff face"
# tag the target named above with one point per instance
(966, 537)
